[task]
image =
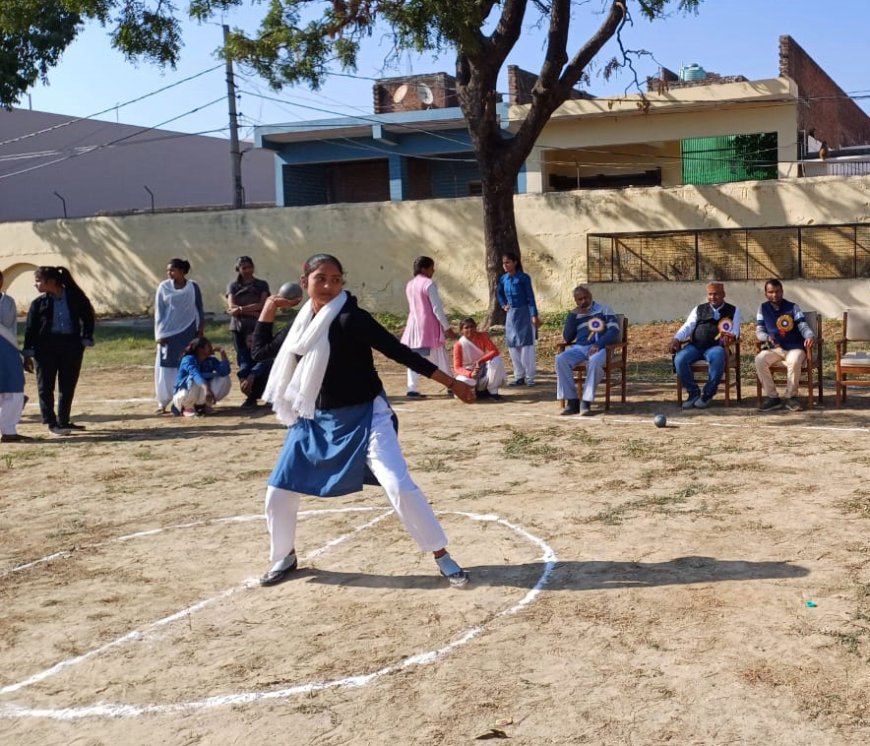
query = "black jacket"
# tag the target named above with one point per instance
(350, 376)
(37, 329)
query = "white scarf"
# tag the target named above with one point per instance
(174, 309)
(471, 353)
(293, 388)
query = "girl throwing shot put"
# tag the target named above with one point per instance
(325, 388)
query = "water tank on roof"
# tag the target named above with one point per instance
(692, 72)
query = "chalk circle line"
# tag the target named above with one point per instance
(109, 709)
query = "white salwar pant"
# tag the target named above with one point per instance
(197, 393)
(493, 377)
(524, 362)
(164, 382)
(438, 356)
(11, 406)
(387, 463)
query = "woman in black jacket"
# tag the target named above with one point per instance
(60, 324)
(325, 388)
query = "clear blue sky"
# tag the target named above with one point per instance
(730, 37)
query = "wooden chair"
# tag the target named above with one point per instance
(856, 328)
(730, 377)
(615, 361)
(811, 372)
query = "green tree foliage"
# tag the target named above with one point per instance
(302, 41)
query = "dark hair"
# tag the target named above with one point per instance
(514, 258)
(468, 321)
(313, 262)
(239, 262)
(61, 275)
(197, 343)
(181, 264)
(421, 263)
(773, 281)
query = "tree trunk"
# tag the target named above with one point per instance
(499, 234)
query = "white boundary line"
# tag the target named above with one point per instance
(240, 698)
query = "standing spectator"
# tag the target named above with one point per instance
(782, 328)
(202, 381)
(588, 329)
(245, 298)
(709, 329)
(516, 297)
(178, 318)
(11, 371)
(477, 361)
(60, 324)
(427, 323)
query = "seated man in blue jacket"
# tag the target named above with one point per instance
(786, 337)
(709, 329)
(588, 329)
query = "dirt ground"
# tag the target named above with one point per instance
(706, 583)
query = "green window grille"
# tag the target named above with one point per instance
(716, 160)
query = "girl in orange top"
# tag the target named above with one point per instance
(477, 361)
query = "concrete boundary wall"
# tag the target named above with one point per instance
(120, 260)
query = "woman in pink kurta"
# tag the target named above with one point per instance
(427, 323)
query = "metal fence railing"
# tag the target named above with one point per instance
(814, 253)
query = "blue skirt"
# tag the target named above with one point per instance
(326, 456)
(11, 370)
(518, 329)
(172, 352)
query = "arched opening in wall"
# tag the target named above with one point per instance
(18, 283)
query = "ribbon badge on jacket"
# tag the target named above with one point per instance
(726, 326)
(784, 324)
(595, 326)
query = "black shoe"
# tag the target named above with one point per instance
(585, 409)
(14, 438)
(58, 431)
(496, 397)
(518, 382)
(72, 426)
(176, 412)
(273, 577)
(415, 395)
(771, 403)
(249, 403)
(572, 406)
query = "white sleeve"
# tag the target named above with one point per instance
(685, 331)
(437, 306)
(736, 321)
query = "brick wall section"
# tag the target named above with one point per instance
(825, 112)
(442, 85)
(669, 81)
(521, 82)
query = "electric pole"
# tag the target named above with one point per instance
(235, 154)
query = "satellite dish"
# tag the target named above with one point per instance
(400, 93)
(425, 95)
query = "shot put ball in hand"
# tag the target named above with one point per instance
(290, 291)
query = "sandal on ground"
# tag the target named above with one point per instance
(456, 576)
(280, 570)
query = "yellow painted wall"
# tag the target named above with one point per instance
(120, 260)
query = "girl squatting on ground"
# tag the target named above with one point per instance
(325, 388)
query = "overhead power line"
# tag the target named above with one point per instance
(111, 108)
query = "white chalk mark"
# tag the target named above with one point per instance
(241, 698)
